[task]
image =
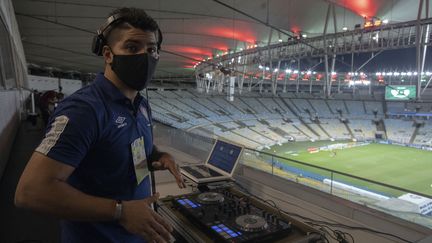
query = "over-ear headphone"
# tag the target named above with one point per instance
(99, 40)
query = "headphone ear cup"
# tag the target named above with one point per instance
(97, 45)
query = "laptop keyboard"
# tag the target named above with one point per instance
(201, 171)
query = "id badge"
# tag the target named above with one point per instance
(139, 159)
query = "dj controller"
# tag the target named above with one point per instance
(228, 215)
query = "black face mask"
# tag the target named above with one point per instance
(135, 71)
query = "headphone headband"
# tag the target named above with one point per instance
(99, 40)
(111, 19)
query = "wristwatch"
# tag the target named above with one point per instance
(118, 210)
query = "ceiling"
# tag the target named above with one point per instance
(58, 33)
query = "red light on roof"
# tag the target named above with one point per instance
(189, 49)
(364, 8)
(241, 35)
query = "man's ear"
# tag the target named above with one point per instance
(107, 54)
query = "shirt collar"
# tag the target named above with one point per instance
(112, 92)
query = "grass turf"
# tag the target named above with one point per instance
(403, 167)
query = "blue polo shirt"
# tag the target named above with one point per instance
(92, 130)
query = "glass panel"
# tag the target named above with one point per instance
(257, 160)
(189, 143)
(386, 198)
(302, 173)
(399, 203)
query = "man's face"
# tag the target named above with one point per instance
(130, 41)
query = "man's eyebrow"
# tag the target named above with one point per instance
(132, 40)
(140, 41)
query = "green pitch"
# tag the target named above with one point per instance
(403, 167)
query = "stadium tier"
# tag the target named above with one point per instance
(258, 121)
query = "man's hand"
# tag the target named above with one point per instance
(166, 161)
(138, 218)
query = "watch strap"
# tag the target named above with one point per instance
(118, 210)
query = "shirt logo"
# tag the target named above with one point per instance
(120, 121)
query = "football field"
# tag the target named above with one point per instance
(400, 166)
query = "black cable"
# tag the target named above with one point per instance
(324, 222)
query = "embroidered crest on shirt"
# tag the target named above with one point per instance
(51, 138)
(120, 121)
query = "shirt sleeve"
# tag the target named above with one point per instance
(70, 134)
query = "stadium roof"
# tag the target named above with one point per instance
(58, 33)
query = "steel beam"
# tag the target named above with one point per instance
(418, 41)
(327, 78)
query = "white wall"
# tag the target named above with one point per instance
(42, 83)
(70, 86)
(11, 97)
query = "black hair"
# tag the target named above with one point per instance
(134, 17)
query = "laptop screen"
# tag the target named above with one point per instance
(224, 156)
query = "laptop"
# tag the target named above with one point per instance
(220, 165)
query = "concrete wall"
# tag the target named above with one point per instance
(9, 123)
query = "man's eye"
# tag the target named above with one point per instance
(152, 50)
(132, 48)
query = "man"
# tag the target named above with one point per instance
(91, 168)
(47, 104)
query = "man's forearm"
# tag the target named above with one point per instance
(64, 201)
(156, 154)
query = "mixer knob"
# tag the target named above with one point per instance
(274, 218)
(268, 217)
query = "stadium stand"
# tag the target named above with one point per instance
(199, 107)
(321, 108)
(424, 135)
(255, 105)
(229, 108)
(420, 107)
(335, 128)
(355, 107)
(395, 107)
(259, 121)
(362, 129)
(303, 106)
(271, 105)
(336, 105)
(399, 130)
(371, 106)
